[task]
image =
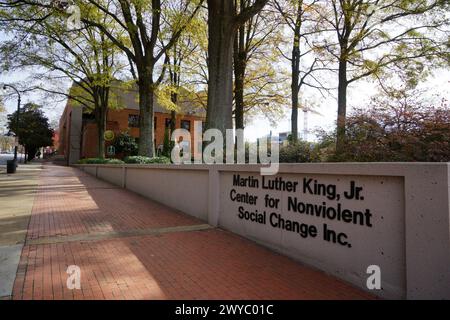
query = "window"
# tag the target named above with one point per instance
(133, 120)
(186, 124)
(154, 123)
(89, 116)
(168, 122)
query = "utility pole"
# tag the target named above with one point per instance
(305, 122)
(305, 125)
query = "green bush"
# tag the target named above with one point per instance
(298, 152)
(125, 144)
(115, 161)
(100, 161)
(146, 160)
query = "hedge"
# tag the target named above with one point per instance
(100, 161)
(146, 160)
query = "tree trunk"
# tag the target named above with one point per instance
(342, 105)
(104, 101)
(294, 113)
(173, 113)
(100, 118)
(220, 65)
(295, 65)
(240, 64)
(295, 70)
(146, 130)
(173, 121)
(101, 124)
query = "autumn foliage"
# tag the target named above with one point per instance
(401, 132)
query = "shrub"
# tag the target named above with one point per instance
(297, 152)
(125, 144)
(146, 160)
(411, 133)
(100, 161)
(115, 161)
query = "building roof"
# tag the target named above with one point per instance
(128, 98)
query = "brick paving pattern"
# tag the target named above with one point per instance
(180, 264)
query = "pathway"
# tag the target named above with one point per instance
(129, 247)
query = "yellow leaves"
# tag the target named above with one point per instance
(401, 47)
(2, 106)
(163, 95)
(198, 30)
(412, 5)
(82, 98)
(373, 68)
(266, 90)
(370, 64)
(414, 34)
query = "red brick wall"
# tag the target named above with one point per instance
(89, 141)
(64, 131)
(55, 140)
(117, 121)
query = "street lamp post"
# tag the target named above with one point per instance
(17, 117)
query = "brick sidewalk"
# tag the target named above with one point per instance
(129, 247)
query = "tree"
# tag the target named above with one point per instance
(302, 24)
(54, 53)
(136, 32)
(398, 126)
(257, 84)
(144, 46)
(167, 143)
(265, 90)
(180, 64)
(6, 142)
(223, 22)
(374, 35)
(33, 129)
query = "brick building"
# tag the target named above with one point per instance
(78, 129)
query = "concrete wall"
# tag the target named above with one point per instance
(74, 142)
(93, 171)
(111, 174)
(185, 190)
(398, 218)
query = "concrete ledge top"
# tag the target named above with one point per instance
(348, 168)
